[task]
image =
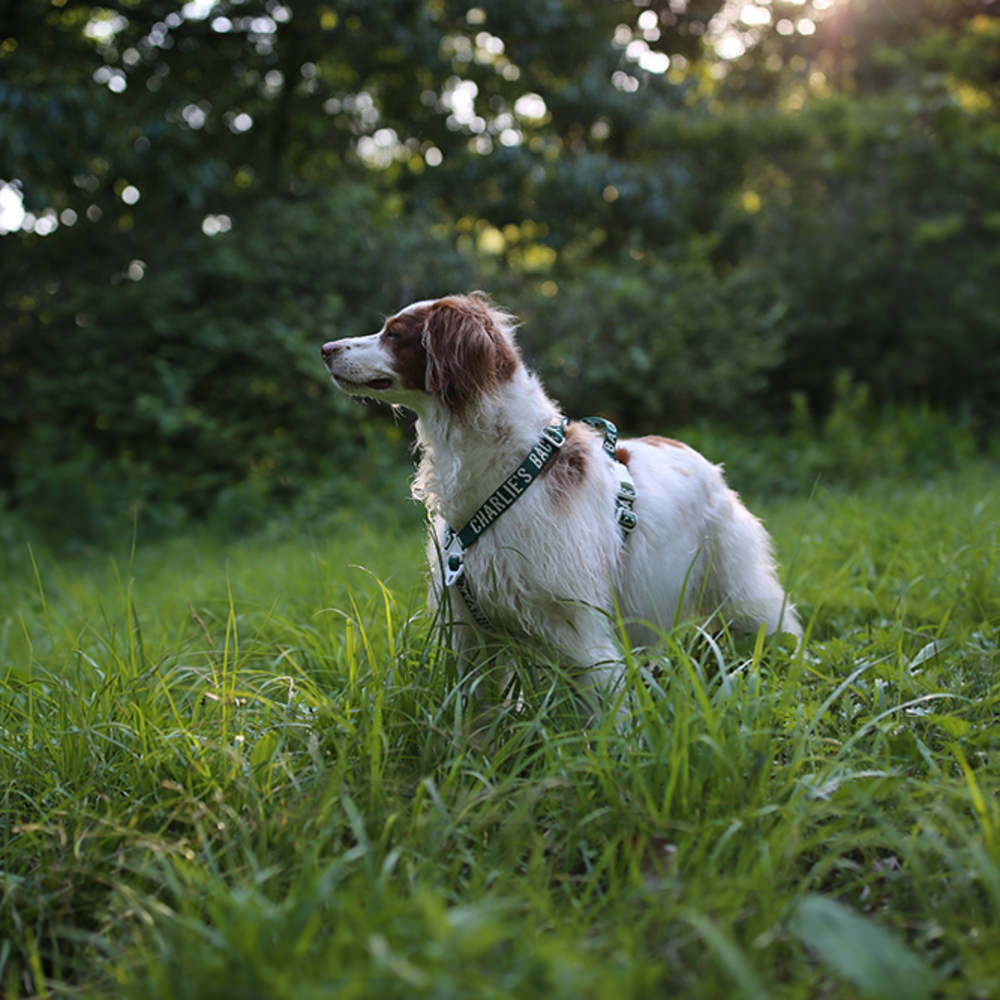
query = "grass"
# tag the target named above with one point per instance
(248, 771)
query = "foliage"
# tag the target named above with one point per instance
(690, 233)
(200, 370)
(852, 445)
(655, 338)
(875, 229)
(231, 765)
(248, 770)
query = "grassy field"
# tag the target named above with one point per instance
(247, 771)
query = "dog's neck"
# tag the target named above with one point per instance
(462, 460)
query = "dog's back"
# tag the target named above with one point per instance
(700, 554)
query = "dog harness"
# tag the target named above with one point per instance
(455, 543)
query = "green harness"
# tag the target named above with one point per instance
(455, 543)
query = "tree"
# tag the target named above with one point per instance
(734, 198)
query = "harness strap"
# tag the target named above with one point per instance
(500, 500)
(503, 497)
(478, 615)
(625, 498)
(454, 543)
(610, 433)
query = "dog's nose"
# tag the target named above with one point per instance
(329, 349)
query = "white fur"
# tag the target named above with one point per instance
(556, 569)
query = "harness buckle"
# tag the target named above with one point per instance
(627, 520)
(454, 550)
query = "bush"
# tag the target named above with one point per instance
(201, 385)
(855, 443)
(655, 340)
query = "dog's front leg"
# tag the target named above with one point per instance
(597, 659)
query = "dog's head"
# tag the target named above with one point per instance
(450, 351)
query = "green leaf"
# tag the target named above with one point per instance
(871, 958)
(264, 749)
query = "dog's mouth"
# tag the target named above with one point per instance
(379, 384)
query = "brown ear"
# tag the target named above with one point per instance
(467, 355)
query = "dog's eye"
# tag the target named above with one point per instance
(390, 334)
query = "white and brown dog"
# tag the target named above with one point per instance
(555, 568)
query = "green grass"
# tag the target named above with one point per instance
(248, 771)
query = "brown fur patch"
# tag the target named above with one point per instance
(568, 467)
(623, 455)
(661, 441)
(403, 334)
(467, 355)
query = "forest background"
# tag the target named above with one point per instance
(766, 215)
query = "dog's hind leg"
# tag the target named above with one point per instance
(743, 578)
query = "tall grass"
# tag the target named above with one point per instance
(251, 772)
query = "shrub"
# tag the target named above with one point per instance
(656, 340)
(201, 383)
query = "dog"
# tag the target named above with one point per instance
(585, 531)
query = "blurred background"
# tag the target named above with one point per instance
(757, 221)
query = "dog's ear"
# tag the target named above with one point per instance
(467, 354)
